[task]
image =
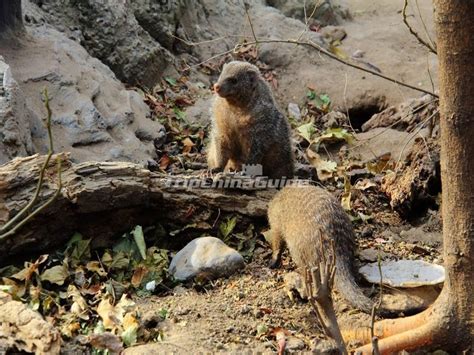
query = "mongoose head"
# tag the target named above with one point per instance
(237, 80)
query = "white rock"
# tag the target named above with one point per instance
(404, 273)
(150, 286)
(205, 255)
(294, 111)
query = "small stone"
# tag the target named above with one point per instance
(293, 343)
(258, 313)
(371, 254)
(245, 309)
(358, 54)
(294, 282)
(179, 290)
(324, 346)
(334, 33)
(181, 311)
(294, 111)
(150, 286)
(206, 255)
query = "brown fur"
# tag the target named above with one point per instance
(247, 126)
(306, 219)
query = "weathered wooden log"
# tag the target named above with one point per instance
(102, 200)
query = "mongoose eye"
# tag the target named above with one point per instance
(232, 81)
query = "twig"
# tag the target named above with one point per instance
(195, 44)
(246, 7)
(319, 49)
(433, 44)
(422, 124)
(306, 19)
(12, 226)
(25, 209)
(431, 48)
(376, 306)
(319, 282)
(335, 57)
(345, 105)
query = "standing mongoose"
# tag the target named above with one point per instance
(247, 127)
(306, 219)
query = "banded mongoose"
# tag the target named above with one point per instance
(247, 126)
(306, 218)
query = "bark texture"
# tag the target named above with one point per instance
(455, 31)
(104, 199)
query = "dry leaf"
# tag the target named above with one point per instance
(324, 168)
(107, 341)
(138, 275)
(364, 184)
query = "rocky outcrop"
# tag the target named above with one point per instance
(17, 122)
(94, 116)
(110, 32)
(328, 12)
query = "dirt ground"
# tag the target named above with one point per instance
(237, 315)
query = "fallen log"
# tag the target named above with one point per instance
(102, 200)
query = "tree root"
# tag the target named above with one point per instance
(409, 333)
(388, 327)
(408, 340)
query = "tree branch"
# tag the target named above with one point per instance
(431, 48)
(335, 57)
(319, 282)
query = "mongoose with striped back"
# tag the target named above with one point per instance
(306, 219)
(247, 126)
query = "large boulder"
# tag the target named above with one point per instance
(110, 32)
(17, 122)
(94, 116)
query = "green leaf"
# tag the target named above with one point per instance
(325, 99)
(334, 135)
(306, 131)
(311, 95)
(163, 313)
(78, 249)
(335, 49)
(323, 102)
(171, 81)
(140, 240)
(118, 261)
(227, 226)
(181, 115)
(262, 329)
(56, 275)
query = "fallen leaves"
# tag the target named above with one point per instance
(78, 291)
(324, 168)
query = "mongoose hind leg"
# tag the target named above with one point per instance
(278, 245)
